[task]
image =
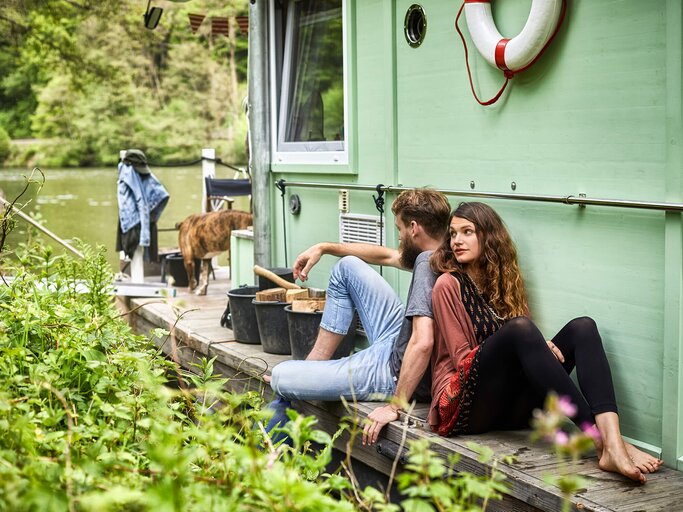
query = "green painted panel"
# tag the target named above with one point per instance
(242, 259)
(589, 117)
(375, 83)
(606, 264)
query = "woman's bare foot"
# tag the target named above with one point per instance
(615, 458)
(645, 462)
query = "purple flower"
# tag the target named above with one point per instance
(566, 407)
(561, 438)
(591, 430)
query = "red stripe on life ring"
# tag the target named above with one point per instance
(500, 54)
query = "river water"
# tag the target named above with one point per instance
(81, 203)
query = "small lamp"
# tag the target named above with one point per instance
(153, 15)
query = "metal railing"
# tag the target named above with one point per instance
(570, 199)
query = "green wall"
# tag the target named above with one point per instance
(599, 114)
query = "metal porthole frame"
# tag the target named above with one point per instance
(415, 25)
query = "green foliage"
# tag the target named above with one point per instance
(90, 423)
(431, 484)
(90, 80)
(4, 145)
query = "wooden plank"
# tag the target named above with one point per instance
(271, 295)
(292, 295)
(308, 305)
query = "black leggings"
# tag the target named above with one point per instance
(517, 370)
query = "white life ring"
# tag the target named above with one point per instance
(520, 51)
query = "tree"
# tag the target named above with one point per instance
(94, 86)
(4, 145)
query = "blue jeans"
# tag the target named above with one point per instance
(365, 375)
(279, 407)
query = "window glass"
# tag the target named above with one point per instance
(316, 96)
(311, 103)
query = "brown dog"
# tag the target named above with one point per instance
(205, 235)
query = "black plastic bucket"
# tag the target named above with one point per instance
(285, 273)
(303, 331)
(173, 265)
(243, 314)
(272, 327)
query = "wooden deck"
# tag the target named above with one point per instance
(198, 334)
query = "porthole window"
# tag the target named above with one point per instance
(415, 25)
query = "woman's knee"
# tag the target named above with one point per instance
(584, 330)
(525, 334)
(583, 324)
(523, 327)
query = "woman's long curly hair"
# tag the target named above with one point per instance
(503, 285)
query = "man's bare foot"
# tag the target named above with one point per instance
(645, 462)
(617, 460)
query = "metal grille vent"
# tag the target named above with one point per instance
(357, 227)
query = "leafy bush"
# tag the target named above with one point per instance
(90, 423)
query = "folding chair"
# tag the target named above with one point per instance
(225, 190)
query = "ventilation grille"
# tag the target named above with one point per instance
(356, 227)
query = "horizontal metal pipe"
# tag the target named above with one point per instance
(570, 199)
(43, 229)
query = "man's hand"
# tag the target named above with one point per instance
(556, 351)
(305, 261)
(376, 421)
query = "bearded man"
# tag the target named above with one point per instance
(394, 366)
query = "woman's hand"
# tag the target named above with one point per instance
(556, 351)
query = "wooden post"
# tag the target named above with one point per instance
(208, 171)
(137, 263)
(259, 129)
(672, 349)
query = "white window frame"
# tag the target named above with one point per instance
(302, 152)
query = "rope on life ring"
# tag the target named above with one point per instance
(514, 55)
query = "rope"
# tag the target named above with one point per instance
(508, 73)
(199, 160)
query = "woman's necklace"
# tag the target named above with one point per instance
(486, 303)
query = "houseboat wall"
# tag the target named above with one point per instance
(599, 114)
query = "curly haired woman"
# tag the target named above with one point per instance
(491, 366)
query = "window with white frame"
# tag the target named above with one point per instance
(308, 89)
